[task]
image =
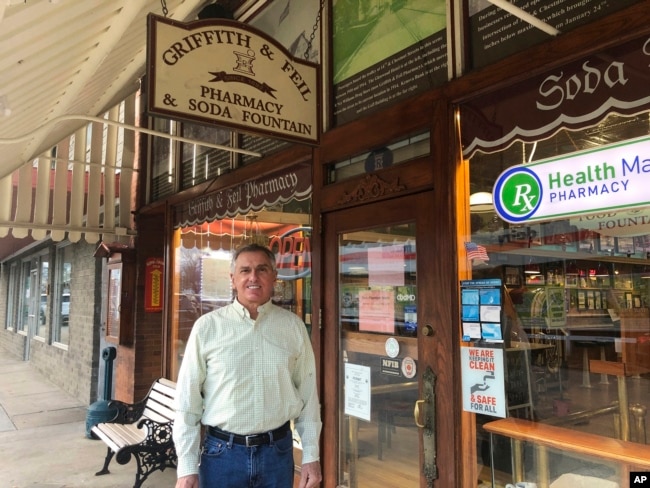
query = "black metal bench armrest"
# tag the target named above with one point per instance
(160, 433)
(127, 413)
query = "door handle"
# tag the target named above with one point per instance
(416, 413)
(426, 410)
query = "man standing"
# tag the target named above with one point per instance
(248, 371)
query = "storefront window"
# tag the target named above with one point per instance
(558, 231)
(26, 292)
(163, 161)
(200, 163)
(28, 296)
(44, 287)
(61, 300)
(275, 211)
(13, 296)
(575, 320)
(263, 145)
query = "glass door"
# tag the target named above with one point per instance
(32, 298)
(381, 376)
(378, 327)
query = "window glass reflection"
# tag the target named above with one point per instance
(202, 258)
(575, 318)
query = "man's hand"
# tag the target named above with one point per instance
(310, 475)
(189, 481)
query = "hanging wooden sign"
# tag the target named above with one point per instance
(231, 74)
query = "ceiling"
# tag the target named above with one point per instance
(61, 60)
(66, 58)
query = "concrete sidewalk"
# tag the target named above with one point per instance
(43, 441)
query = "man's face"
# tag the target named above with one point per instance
(253, 279)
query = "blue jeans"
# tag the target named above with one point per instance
(228, 465)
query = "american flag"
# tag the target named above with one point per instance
(474, 251)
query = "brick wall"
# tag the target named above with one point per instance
(73, 368)
(76, 369)
(150, 327)
(138, 365)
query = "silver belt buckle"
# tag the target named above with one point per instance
(249, 438)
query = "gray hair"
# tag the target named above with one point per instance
(253, 248)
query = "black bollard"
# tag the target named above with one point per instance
(101, 411)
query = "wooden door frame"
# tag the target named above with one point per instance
(439, 350)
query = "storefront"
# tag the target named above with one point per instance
(396, 406)
(554, 311)
(455, 193)
(393, 235)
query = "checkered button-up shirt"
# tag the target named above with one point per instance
(246, 376)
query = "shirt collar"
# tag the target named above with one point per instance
(244, 311)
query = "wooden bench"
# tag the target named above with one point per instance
(143, 430)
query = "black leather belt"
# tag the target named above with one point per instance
(253, 439)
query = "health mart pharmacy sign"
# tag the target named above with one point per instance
(609, 178)
(228, 73)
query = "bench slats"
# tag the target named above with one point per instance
(164, 394)
(155, 414)
(160, 405)
(166, 386)
(120, 435)
(123, 435)
(166, 401)
(159, 413)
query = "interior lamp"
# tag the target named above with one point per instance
(481, 202)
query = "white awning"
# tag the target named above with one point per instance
(80, 187)
(63, 62)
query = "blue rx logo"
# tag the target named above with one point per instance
(517, 194)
